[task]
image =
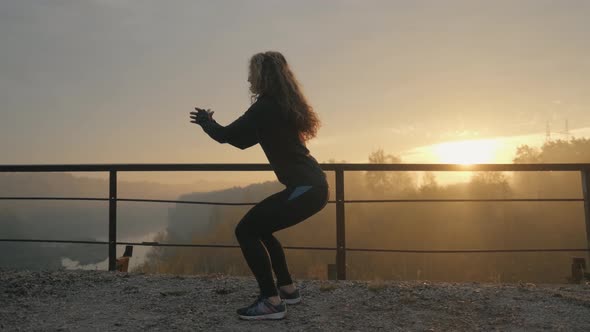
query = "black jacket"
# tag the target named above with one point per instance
(264, 123)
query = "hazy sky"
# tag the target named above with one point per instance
(113, 81)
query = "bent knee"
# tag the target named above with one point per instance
(243, 231)
(238, 231)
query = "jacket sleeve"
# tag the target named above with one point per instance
(242, 133)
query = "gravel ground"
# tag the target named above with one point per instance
(101, 300)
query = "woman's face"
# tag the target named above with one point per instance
(251, 80)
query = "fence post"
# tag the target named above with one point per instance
(586, 191)
(340, 227)
(112, 220)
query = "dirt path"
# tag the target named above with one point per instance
(101, 300)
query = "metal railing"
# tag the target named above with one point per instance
(339, 169)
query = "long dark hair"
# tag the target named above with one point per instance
(271, 75)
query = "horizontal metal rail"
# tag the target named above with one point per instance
(266, 167)
(444, 200)
(156, 244)
(54, 241)
(443, 251)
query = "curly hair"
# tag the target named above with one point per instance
(270, 75)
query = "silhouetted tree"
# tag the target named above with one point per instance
(381, 182)
(429, 183)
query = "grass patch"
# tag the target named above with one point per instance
(377, 285)
(327, 287)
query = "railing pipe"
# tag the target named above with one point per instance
(266, 167)
(112, 220)
(340, 201)
(340, 227)
(586, 191)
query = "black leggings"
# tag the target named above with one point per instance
(278, 211)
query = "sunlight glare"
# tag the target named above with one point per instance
(466, 152)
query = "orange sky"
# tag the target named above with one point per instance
(105, 81)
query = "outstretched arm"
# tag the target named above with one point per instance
(242, 133)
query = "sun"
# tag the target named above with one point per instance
(466, 152)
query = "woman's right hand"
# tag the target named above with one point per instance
(201, 115)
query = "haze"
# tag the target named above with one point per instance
(112, 81)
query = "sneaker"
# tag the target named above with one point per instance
(263, 309)
(290, 298)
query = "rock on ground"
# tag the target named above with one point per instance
(101, 300)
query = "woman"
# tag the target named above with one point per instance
(281, 121)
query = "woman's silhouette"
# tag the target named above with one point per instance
(281, 121)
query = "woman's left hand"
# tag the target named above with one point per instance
(201, 115)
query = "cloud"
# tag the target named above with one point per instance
(506, 145)
(403, 129)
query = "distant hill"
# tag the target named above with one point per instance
(78, 220)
